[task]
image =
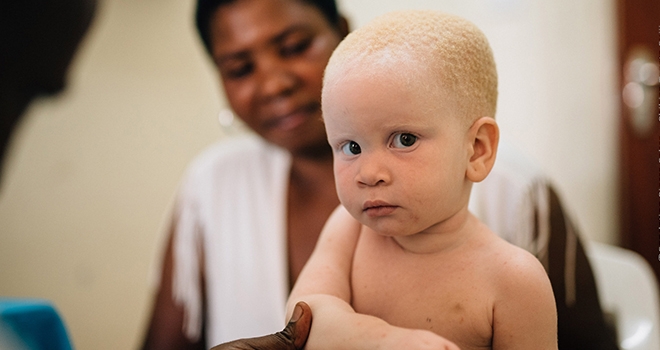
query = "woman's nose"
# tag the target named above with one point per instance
(276, 80)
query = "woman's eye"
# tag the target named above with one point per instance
(404, 140)
(351, 148)
(238, 72)
(295, 47)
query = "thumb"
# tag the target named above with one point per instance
(294, 336)
(299, 325)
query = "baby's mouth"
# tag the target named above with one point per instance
(378, 208)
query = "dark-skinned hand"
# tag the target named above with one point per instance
(293, 337)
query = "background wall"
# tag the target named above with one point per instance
(88, 185)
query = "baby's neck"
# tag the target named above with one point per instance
(441, 237)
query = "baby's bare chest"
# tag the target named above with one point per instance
(453, 299)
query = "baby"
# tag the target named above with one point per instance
(409, 103)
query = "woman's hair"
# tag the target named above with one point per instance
(206, 8)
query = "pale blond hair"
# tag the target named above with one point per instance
(450, 50)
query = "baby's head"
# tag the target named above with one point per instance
(445, 54)
(408, 102)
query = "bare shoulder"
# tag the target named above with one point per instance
(516, 268)
(524, 312)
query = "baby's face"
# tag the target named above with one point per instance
(400, 156)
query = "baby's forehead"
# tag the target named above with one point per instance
(424, 37)
(402, 90)
(399, 70)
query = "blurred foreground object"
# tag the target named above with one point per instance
(31, 324)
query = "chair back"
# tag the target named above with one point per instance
(628, 289)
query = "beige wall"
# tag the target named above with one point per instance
(91, 175)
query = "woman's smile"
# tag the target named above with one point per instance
(290, 120)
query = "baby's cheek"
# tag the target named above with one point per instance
(343, 179)
(346, 199)
(349, 200)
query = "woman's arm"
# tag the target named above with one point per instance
(581, 324)
(166, 325)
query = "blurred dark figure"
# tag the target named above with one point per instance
(38, 39)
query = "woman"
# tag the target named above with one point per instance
(250, 209)
(270, 55)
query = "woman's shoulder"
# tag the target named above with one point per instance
(238, 161)
(235, 153)
(241, 148)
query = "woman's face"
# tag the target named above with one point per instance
(271, 55)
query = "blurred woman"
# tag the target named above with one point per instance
(250, 209)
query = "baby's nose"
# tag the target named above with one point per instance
(373, 172)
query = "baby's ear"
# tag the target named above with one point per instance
(484, 135)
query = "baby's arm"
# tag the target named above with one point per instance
(324, 284)
(525, 315)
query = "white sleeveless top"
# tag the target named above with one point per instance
(232, 202)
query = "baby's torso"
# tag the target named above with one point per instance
(452, 295)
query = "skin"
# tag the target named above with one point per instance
(270, 56)
(389, 186)
(404, 248)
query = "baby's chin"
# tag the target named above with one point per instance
(389, 227)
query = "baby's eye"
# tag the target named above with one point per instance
(351, 148)
(404, 140)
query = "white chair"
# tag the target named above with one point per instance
(628, 289)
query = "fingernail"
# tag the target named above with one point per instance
(297, 312)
